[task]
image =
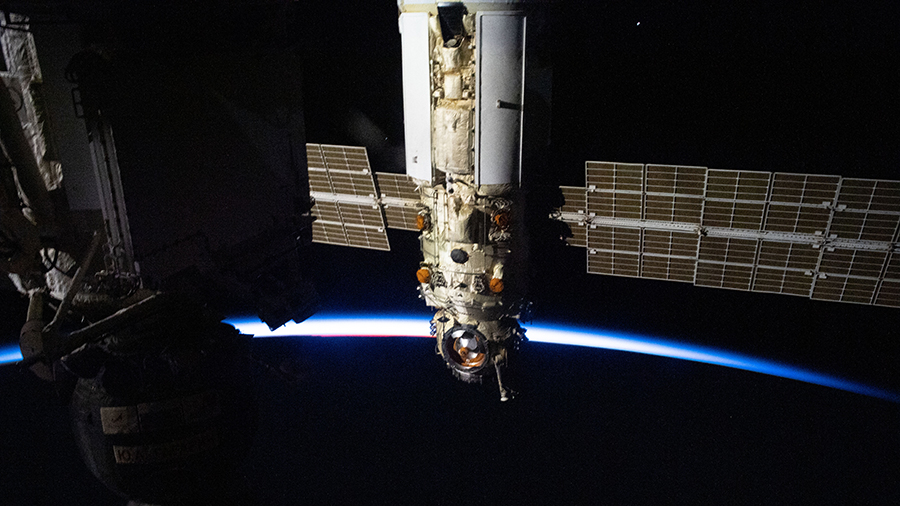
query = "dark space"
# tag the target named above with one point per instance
(800, 88)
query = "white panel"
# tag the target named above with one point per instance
(500, 83)
(416, 94)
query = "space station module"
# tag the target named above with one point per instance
(463, 95)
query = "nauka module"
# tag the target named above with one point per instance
(463, 91)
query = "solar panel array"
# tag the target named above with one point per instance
(346, 206)
(400, 199)
(823, 237)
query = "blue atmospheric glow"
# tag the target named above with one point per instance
(333, 326)
(10, 353)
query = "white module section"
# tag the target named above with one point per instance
(478, 5)
(416, 94)
(500, 81)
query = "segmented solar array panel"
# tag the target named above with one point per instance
(346, 207)
(402, 196)
(824, 237)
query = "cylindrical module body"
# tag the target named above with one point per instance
(500, 93)
(464, 89)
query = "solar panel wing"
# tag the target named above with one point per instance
(365, 237)
(818, 236)
(804, 189)
(400, 199)
(363, 215)
(574, 199)
(845, 289)
(889, 291)
(328, 227)
(614, 263)
(615, 190)
(347, 209)
(396, 186)
(801, 203)
(787, 282)
(669, 255)
(329, 233)
(614, 250)
(867, 210)
(785, 267)
(319, 181)
(849, 275)
(726, 262)
(401, 217)
(849, 262)
(870, 195)
(735, 199)
(674, 193)
(862, 226)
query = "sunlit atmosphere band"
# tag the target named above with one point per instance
(333, 326)
(363, 326)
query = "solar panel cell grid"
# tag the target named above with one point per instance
(668, 268)
(673, 208)
(786, 255)
(329, 233)
(845, 289)
(864, 226)
(356, 214)
(893, 267)
(870, 195)
(733, 277)
(676, 179)
(797, 219)
(848, 262)
(314, 156)
(728, 249)
(888, 293)
(614, 238)
(614, 205)
(737, 185)
(318, 181)
(804, 188)
(574, 199)
(401, 217)
(345, 157)
(782, 281)
(352, 183)
(344, 173)
(398, 186)
(327, 211)
(615, 176)
(670, 243)
(761, 231)
(613, 263)
(743, 215)
(367, 238)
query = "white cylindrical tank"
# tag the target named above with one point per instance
(500, 90)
